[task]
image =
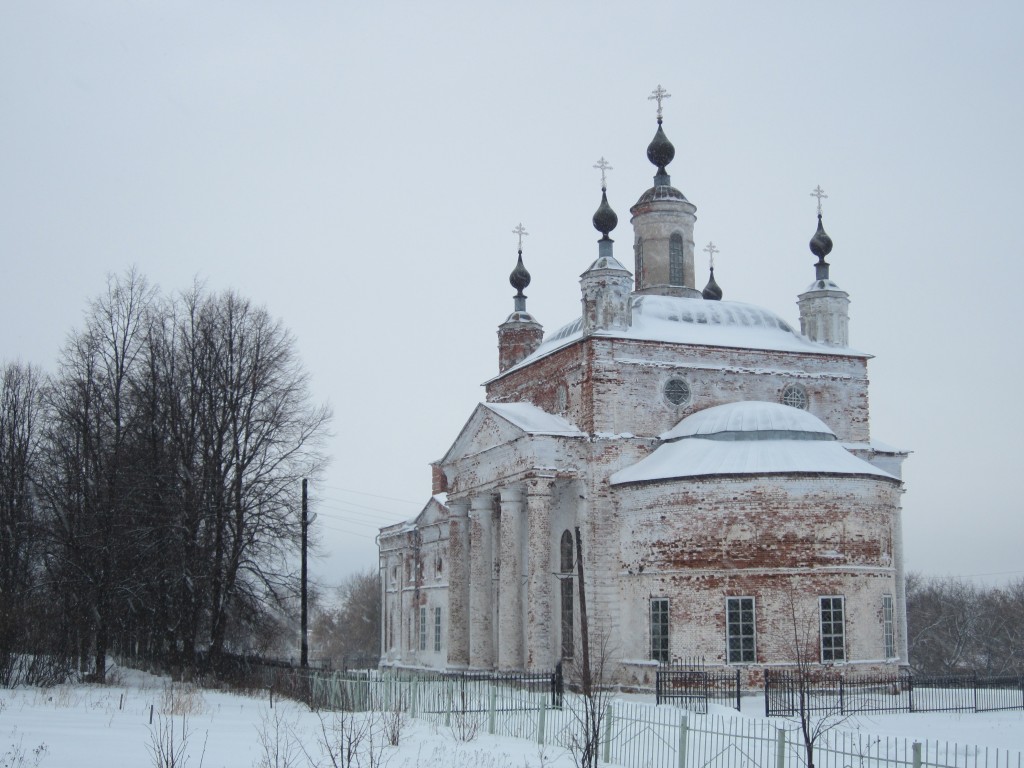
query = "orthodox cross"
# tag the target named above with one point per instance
(520, 230)
(658, 94)
(820, 194)
(711, 250)
(603, 166)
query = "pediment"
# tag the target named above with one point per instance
(484, 430)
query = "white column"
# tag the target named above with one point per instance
(510, 604)
(481, 571)
(540, 653)
(458, 583)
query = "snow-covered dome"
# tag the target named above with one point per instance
(751, 420)
(747, 438)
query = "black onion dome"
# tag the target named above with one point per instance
(712, 292)
(605, 219)
(519, 278)
(660, 151)
(821, 243)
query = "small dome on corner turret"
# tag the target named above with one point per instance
(821, 243)
(605, 219)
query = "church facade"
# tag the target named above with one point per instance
(710, 467)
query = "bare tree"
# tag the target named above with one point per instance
(20, 534)
(814, 718)
(177, 434)
(350, 631)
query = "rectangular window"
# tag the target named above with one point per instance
(423, 628)
(739, 629)
(833, 632)
(888, 627)
(659, 629)
(437, 629)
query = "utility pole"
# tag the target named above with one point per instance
(304, 657)
(584, 626)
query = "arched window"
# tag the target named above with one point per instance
(675, 259)
(566, 566)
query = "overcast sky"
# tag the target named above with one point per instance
(358, 168)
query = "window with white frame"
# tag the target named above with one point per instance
(437, 629)
(739, 630)
(659, 629)
(423, 627)
(888, 627)
(833, 629)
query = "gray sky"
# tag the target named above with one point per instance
(358, 168)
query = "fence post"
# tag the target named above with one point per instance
(490, 708)
(910, 692)
(540, 720)
(917, 754)
(412, 699)
(684, 728)
(739, 708)
(842, 690)
(448, 709)
(608, 734)
(780, 748)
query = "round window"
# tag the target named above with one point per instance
(677, 391)
(795, 396)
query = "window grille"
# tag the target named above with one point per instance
(566, 585)
(740, 628)
(888, 627)
(833, 629)
(795, 396)
(423, 628)
(659, 629)
(437, 629)
(675, 260)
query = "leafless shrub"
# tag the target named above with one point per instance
(279, 746)
(18, 757)
(168, 746)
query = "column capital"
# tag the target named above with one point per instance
(458, 507)
(512, 494)
(481, 503)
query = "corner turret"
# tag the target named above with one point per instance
(520, 335)
(824, 306)
(605, 286)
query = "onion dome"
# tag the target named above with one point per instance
(712, 292)
(821, 243)
(660, 151)
(821, 246)
(519, 278)
(605, 219)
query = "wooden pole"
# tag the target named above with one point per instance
(304, 655)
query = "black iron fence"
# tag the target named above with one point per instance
(693, 687)
(821, 692)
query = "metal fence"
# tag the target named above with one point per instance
(693, 687)
(825, 693)
(633, 735)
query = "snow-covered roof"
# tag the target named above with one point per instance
(698, 321)
(533, 420)
(747, 438)
(751, 417)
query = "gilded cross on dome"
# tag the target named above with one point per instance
(603, 166)
(658, 94)
(520, 230)
(711, 250)
(820, 194)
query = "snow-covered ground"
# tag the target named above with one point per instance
(105, 727)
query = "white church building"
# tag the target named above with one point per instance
(717, 463)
